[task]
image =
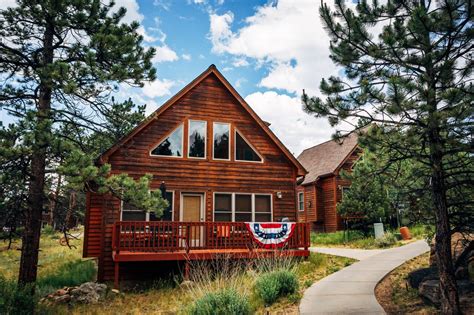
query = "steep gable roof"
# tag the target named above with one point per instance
(326, 158)
(211, 70)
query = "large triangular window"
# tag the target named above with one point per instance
(171, 145)
(244, 151)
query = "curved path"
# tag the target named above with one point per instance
(351, 290)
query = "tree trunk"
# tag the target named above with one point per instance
(449, 294)
(36, 197)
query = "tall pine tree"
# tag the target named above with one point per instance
(414, 79)
(60, 60)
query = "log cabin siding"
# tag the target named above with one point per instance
(325, 193)
(208, 101)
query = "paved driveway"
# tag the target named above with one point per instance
(351, 290)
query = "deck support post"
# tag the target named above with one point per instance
(186, 270)
(116, 276)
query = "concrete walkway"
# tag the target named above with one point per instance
(351, 290)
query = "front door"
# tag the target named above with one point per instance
(192, 212)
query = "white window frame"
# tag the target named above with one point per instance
(205, 139)
(147, 214)
(213, 134)
(164, 138)
(233, 204)
(250, 145)
(300, 201)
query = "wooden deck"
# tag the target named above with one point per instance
(135, 241)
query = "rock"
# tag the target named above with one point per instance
(417, 276)
(430, 291)
(88, 293)
(61, 292)
(65, 298)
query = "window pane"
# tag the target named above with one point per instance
(243, 203)
(243, 217)
(222, 217)
(223, 202)
(263, 217)
(171, 146)
(133, 216)
(262, 203)
(221, 141)
(300, 201)
(243, 151)
(197, 139)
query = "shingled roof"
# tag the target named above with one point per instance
(325, 158)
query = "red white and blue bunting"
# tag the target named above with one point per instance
(271, 235)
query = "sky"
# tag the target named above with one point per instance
(268, 50)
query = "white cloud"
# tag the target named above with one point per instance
(166, 5)
(240, 62)
(158, 88)
(164, 54)
(239, 82)
(287, 37)
(296, 129)
(133, 14)
(186, 57)
(220, 32)
(7, 3)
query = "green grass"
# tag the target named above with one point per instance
(356, 239)
(58, 265)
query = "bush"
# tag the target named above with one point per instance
(388, 239)
(14, 300)
(268, 288)
(70, 274)
(288, 282)
(272, 285)
(224, 302)
(48, 230)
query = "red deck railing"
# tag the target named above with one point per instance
(160, 236)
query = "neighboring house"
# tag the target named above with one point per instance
(221, 165)
(323, 187)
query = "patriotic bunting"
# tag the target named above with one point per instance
(271, 235)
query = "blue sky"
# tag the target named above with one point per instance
(268, 50)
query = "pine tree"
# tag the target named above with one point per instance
(408, 68)
(60, 61)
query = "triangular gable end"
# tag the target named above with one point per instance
(103, 158)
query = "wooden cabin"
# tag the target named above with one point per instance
(221, 165)
(323, 187)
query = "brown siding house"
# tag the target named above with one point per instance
(221, 165)
(322, 188)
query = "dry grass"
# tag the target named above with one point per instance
(395, 294)
(52, 255)
(168, 297)
(174, 299)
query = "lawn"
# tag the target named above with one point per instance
(170, 297)
(356, 239)
(60, 266)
